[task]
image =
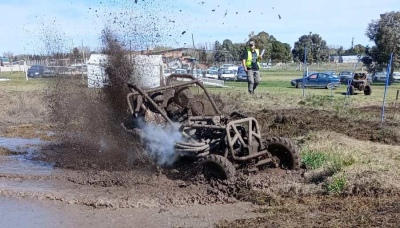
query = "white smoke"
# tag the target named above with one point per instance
(160, 142)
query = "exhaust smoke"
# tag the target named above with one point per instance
(160, 141)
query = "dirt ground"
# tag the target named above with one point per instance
(77, 172)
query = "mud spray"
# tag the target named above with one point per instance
(88, 123)
(89, 120)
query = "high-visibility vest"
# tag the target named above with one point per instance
(250, 57)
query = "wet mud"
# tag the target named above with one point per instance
(82, 174)
(363, 124)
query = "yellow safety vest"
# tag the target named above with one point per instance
(250, 57)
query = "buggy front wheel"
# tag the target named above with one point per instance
(218, 167)
(367, 90)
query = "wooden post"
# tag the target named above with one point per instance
(397, 94)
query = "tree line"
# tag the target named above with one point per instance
(384, 32)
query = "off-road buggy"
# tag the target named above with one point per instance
(220, 144)
(359, 82)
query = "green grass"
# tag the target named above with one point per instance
(18, 82)
(330, 160)
(313, 159)
(272, 82)
(337, 184)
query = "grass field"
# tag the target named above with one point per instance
(275, 83)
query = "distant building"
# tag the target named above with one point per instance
(344, 59)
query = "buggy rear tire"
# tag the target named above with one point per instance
(285, 151)
(218, 167)
(367, 90)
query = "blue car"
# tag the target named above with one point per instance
(317, 80)
(241, 74)
(36, 71)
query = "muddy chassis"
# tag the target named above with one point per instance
(220, 144)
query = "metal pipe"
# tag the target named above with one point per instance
(191, 144)
(264, 161)
(250, 156)
(203, 126)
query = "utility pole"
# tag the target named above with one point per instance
(83, 53)
(352, 43)
(130, 51)
(193, 41)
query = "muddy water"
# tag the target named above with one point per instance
(35, 194)
(33, 213)
(21, 164)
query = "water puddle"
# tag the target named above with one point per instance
(21, 163)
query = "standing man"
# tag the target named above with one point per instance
(251, 65)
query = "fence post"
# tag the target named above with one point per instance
(26, 70)
(397, 94)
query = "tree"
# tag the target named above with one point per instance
(359, 49)
(317, 49)
(281, 52)
(263, 41)
(340, 51)
(75, 54)
(218, 52)
(385, 33)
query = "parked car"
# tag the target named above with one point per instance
(396, 76)
(317, 80)
(36, 71)
(180, 71)
(379, 77)
(219, 73)
(345, 77)
(212, 74)
(49, 72)
(197, 73)
(228, 75)
(241, 74)
(230, 67)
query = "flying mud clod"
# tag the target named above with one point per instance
(219, 144)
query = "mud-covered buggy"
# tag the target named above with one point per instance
(220, 144)
(359, 82)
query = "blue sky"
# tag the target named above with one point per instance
(41, 26)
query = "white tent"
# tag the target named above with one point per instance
(147, 70)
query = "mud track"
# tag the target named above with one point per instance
(83, 176)
(300, 122)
